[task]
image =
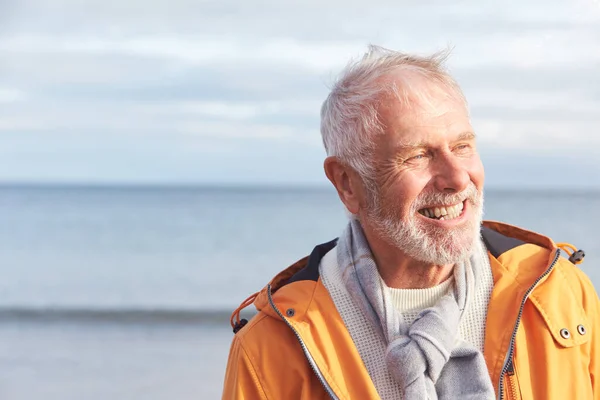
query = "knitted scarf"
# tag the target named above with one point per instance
(427, 359)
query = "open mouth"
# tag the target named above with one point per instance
(443, 213)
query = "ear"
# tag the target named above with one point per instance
(346, 181)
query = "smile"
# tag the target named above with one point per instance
(443, 213)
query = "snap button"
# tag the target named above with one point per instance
(290, 312)
(581, 329)
(564, 332)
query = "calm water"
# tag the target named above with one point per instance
(124, 293)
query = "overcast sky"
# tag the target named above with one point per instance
(229, 92)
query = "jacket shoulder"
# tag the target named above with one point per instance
(271, 340)
(266, 361)
(263, 327)
(579, 283)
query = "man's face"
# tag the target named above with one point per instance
(429, 196)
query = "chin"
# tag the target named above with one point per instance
(454, 245)
(434, 244)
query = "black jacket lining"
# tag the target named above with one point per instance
(497, 243)
(311, 271)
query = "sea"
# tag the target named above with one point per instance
(125, 292)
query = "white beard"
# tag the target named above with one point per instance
(424, 242)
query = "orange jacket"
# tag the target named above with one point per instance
(542, 330)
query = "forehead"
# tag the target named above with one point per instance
(426, 109)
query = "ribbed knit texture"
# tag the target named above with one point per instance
(372, 346)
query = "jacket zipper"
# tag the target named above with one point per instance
(510, 380)
(508, 361)
(307, 354)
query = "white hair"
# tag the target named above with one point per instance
(349, 115)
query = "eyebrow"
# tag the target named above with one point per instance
(408, 145)
(465, 136)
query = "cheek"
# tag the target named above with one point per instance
(401, 196)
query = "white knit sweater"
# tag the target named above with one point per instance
(410, 302)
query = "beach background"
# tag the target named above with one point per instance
(160, 161)
(126, 292)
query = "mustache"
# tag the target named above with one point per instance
(426, 200)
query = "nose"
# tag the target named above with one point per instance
(451, 176)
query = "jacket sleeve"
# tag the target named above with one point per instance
(241, 379)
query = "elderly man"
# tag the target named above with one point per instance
(417, 298)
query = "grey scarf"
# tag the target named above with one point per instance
(427, 358)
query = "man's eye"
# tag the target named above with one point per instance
(417, 157)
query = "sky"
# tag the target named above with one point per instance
(228, 92)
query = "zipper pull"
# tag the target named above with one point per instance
(510, 368)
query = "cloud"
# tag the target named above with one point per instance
(8, 95)
(196, 50)
(252, 75)
(231, 110)
(539, 136)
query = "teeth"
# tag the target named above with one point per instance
(443, 213)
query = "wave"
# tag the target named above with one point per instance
(118, 316)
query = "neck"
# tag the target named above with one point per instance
(399, 271)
